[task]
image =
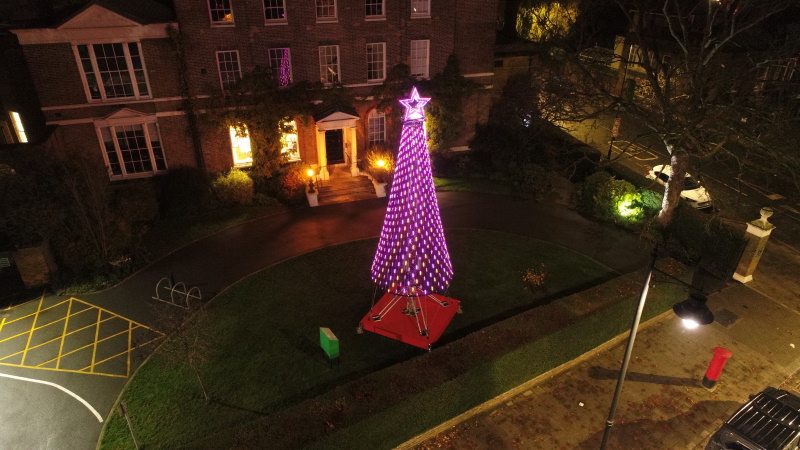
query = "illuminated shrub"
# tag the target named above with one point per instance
(531, 180)
(604, 197)
(379, 162)
(233, 189)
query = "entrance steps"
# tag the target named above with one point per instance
(343, 187)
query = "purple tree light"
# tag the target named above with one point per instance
(412, 257)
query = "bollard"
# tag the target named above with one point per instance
(721, 356)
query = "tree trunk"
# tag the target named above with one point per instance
(673, 188)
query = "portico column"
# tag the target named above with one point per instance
(353, 151)
(322, 156)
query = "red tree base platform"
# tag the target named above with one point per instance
(420, 328)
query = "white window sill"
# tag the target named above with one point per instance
(94, 101)
(136, 175)
(420, 16)
(328, 20)
(223, 25)
(270, 23)
(376, 81)
(375, 18)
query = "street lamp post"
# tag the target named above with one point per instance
(692, 311)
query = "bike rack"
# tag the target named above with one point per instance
(178, 294)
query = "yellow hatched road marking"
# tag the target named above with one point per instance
(64, 334)
(56, 338)
(70, 313)
(96, 335)
(33, 327)
(38, 311)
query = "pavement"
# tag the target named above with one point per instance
(663, 404)
(64, 365)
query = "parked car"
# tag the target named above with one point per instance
(769, 421)
(693, 192)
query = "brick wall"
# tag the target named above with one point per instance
(55, 74)
(162, 67)
(176, 141)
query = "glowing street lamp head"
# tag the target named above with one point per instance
(310, 172)
(380, 163)
(414, 105)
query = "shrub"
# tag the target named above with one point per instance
(531, 180)
(287, 184)
(183, 191)
(381, 174)
(233, 189)
(604, 197)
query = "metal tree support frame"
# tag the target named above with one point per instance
(178, 295)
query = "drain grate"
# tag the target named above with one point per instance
(725, 317)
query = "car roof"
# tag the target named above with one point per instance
(770, 419)
(666, 170)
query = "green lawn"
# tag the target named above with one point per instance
(168, 235)
(480, 185)
(265, 332)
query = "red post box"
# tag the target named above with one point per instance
(721, 356)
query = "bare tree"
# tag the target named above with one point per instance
(190, 340)
(696, 73)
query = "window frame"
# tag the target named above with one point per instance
(381, 16)
(232, 22)
(236, 143)
(421, 15)
(324, 79)
(98, 75)
(288, 56)
(377, 116)
(326, 19)
(382, 62)
(219, 69)
(145, 123)
(427, 72)
(290, 123)
(281, 21)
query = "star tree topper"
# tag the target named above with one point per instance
(414, 106)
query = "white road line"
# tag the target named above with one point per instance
(76, 396)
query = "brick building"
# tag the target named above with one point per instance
(109, 75)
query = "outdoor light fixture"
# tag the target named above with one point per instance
(693, 311)
(310, 173)
(380, 163)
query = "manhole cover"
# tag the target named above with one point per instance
(725, 317)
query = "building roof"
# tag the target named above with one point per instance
(140, 11)
(330, 110)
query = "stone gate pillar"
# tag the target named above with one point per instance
(757, 235)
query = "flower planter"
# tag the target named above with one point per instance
(312, 198)
(380, 188)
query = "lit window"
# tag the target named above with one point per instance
(281, 65)
(133, 149)
(289, 148)
(17, 121)
(229, 71)
(240, 146)
(376, 61)
(221, 12)
(274, 11)
(420, 8)
(329, 64)
(419, 63)
(377, 127)
(326, 10)
(374, 9)
(112, 71)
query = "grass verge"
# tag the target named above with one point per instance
(480, 185)
(265, 330)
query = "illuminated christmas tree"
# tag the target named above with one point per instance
(412, 261)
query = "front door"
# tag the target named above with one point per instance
(334, 149)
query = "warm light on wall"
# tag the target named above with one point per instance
(17, 120)
(289, 145)
(240, 146)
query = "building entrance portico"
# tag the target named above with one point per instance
(336, 139)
